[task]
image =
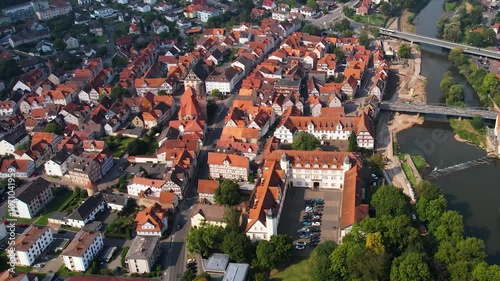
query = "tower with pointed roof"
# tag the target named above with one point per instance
(271, 222)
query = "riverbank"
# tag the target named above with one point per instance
(412, 85)
(465, 133)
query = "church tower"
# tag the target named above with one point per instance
(271, 223)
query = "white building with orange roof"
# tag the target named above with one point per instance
(141, 184)
(267, 200)
(206, 190)
(152, 221)
(228, 166)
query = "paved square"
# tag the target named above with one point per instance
(293, 211)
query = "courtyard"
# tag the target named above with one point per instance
(293, 211)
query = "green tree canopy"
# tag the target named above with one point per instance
(353, 143)
(477, 122)
(342, 25)
(206, 239)
(320, 261)
(59, 44)
(377, 162)
(238, 247)
(451, 227)
(312, 4)
(228, 193)
(311, 29)
(363, 38)
(274, 252)
(389, 200)
(305, 141)
(53, 127)
(431, 210)
(404, 51)
(410, 267)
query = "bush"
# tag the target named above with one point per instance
(123, 255)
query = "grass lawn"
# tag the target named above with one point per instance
(463, 128)
(62, 196)
(419, 161)
(297, 271)
(408, 173)
(118, 144)
(373, 19)
(22, 220)
(407, 21)
(450, 6)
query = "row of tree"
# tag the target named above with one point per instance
(486, 84)
(389, 246)
(461, 27)
(452, 92)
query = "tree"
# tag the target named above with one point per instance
(353, 142)
(471, 249)
(456, 56)
(118, 92)
(342, 25)
(477, 122)
(367, 265)
(312, 4)
(404, 51)
(427, 190)
(53, 127)
(451, 227)
(455, 95)
(347, 33)
(227, 193)
(9, 69)
(320, 262)
(238, 247)
(205, 239)
(189, 275)
(259, 276)
(446, 83)
(274, 252)
(389, 200)
(305, 141)
(375, 32)
(119, 61)
(59, 44)
(452, 32)
(374, 242)
(203, 277)
(431, 210)
(363, 38)
(377, 162)
(231, 218)
(138, 147)
(410, 267)
(485, 272)
(348, 12)
(311, 29)
(475, 39)
(489, 84)
(215, 93)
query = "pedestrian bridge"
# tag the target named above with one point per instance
(414, 38)
(439, 109)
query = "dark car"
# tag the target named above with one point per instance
(318, 214)
(315, 229)
(313, 244)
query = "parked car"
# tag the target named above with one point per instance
(39, 265)
(309, 208)
(301, 243)
(374, 176)
(306, 230)
(306, 223)
(304, 235)
(316, 223)
(319, 200)
(313, 244)
(315, 229)
(300, 247)
(318, 214)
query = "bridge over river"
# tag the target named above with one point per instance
(439, 109)
(414, 38)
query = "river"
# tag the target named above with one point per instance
(474, 192)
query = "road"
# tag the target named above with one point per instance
(441, 43)
(332, 16)
(173, 254)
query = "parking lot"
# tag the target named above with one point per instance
(294, 212)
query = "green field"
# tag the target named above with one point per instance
(373, 19)
(61, 197)
(298, 271)
(450, 6)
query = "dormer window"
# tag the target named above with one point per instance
(307, 165)
(316, 166)
(325, 166)
(299, 165)
(226, 163)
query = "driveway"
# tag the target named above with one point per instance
(293, 211)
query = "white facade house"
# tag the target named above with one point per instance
(223, 80)
(142, 254)
(58, 165)
(328, 128)
(7, 108)
(82, 250)
(206, 13)
(13, 141)
(228, 166)
(29, 245)
(87, 211)
(104, 12)
(207, 214)
(140, 184)
(30, 201)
